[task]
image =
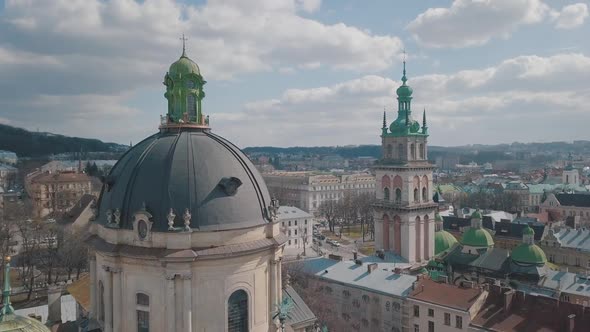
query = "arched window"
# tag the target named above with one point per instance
(100, 301)
(386, 193)
(398, 195)
(191, 107)
(421, 151)
(389, 151)
(416, 197)
(412, 151)
(237, 312)
(143, 312)
(424, 194)
(400, 151)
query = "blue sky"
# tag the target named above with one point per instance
(300, 72)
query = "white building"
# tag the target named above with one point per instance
(308, 190)
(297, 225)
(8, 157)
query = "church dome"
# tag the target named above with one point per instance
(185, 170)
(477, 237)
(443, 240)
(399, 126)
(404, 91)
(15, 323)
(476, 214)
(184, 66)
(529, 254)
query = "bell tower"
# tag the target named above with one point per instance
(404, 210)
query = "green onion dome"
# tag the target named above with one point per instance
(183, 67)
(404, 90)
(477, 237)
(443, 240)
(529, 254)
(15, 323)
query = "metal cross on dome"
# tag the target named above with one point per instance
(183, 43)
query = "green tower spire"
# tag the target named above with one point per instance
(424, 126)
(7, 309)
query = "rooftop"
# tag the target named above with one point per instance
(381, 280)
(62, 177)
(574, 238)
(291, 212)
(577, 200)
(445, 294)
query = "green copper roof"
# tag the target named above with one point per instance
(404, 90)
(529, 254)
(184, 66)
(437, 216)
(443, 240)
(477, 237)
(476, 214)
(528, 231)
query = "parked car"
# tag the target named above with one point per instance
(335, 243)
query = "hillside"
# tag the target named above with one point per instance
(35, 144)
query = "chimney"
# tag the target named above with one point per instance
(371, 267)
(54, 303)
(570, 322)
(508, 300)
(354, 255)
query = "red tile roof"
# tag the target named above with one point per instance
(445, 294)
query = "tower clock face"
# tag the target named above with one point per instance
(142, 229)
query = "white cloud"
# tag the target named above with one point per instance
(571, 16)
(500, 106)
(103, 51)
(472, 23)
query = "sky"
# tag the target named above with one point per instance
(301, 72)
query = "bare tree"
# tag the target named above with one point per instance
(304, 237)
(72, 252)
(329, 210)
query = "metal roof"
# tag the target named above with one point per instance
(381, 280)
(577, 200)
(182, 170)
(574, 238)
(291, 212)
(300, 313)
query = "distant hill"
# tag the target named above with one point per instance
(35, 144)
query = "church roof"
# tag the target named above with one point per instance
(477, 237)
(300, 313)
(187, 169)
(529, 254)
(443, 240)
(14, 323)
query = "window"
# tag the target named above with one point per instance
(295, 232)
(416, 198)
(447, 319)
(430, 312)
(289, 232)
(143, 312)
(398, 195)
(424, 194)
(101, 301)
(430, 326)
(459, 322)
(289, 242)
(143, 299)
(237, 312)
(295, 222)
(416, 328)
(306, 221)
(416, 311)
(191, 107)
(295, 241)
(386, 193)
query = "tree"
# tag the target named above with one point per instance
(72, 252)
(329, 211)
(304, 237)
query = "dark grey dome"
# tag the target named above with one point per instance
(194, 170)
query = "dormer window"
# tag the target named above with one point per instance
(190, 84)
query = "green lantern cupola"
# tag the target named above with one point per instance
(477, 236)
(404, 124)
(443, 240)
(184, 92)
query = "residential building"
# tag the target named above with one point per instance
(568, 205)
(298, 226)
(8, 157)
(366, 295)
(58, 192)
(308, 190)
(442, 307)
(404, 210)
(568, 248)
(8, 176)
